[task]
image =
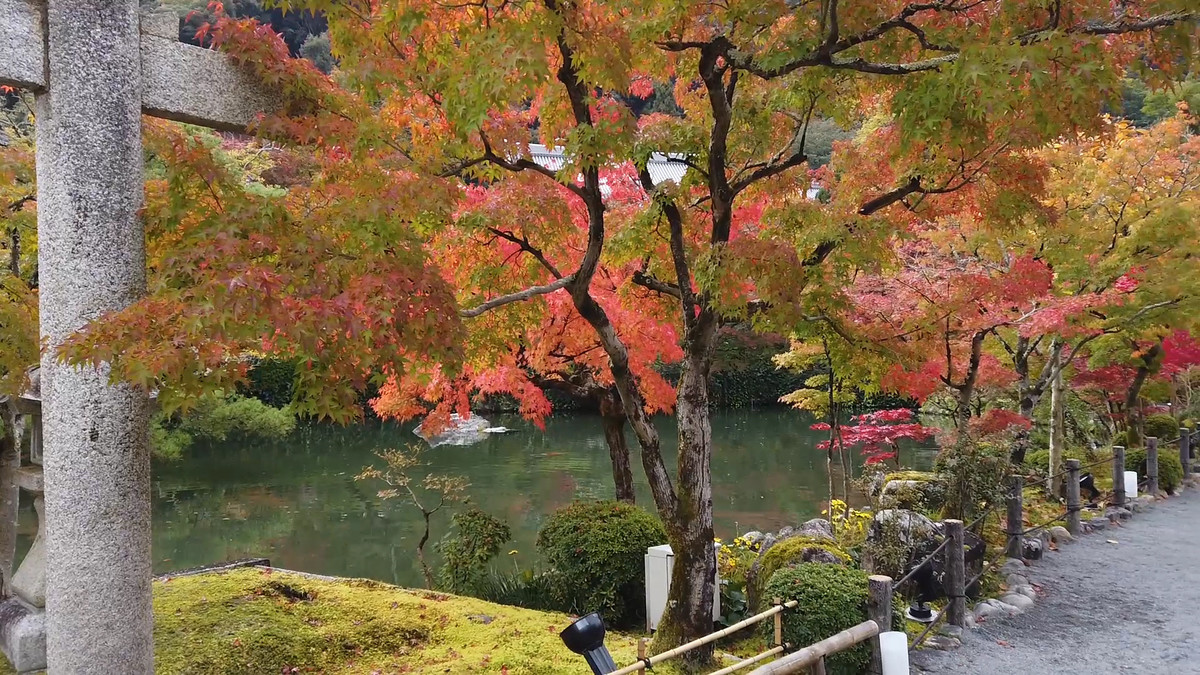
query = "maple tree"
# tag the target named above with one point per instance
(1119, 225)
(465, 88)
(504, 238)
(877, 434)
(336, 273)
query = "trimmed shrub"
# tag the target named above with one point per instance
(786, 553)
(1161, 426)
(468, 553)
(596, 551)
(1170, 469)
(831, 599)
(1040, 459)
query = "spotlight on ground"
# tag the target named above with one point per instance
(586, 637)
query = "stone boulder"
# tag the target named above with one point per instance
(460, 431)
(795, 549)
(911, 490)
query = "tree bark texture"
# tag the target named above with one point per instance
(1058, 436)
(612, 416)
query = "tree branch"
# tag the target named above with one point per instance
(520, 296)
(641, 278)
(528, 248)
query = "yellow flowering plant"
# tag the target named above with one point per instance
(849, 524)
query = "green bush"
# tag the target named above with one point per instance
(1161, 426)
(271, 381)
(1170, 469)
(596, 551)
(831, 599)
(784, 554)
(466, 554)
(215, 418)
(1040, 459)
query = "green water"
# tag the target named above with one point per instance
(297, 503)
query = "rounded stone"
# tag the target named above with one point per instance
(1020, 602)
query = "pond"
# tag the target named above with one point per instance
(297, 502)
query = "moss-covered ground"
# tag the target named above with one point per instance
(263, 621)
(255, 621)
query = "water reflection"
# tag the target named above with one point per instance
(298, 503)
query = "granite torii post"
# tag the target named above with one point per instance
(95, 66)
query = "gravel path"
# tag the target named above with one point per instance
(1130, 607)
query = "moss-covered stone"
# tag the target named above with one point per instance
(793, 551)
(921, 490)
(255, 621)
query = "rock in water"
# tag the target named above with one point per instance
(460, 431)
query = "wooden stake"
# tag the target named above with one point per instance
(879, 610)
(1016, 524)
(1152, 466)
(1073, 524)
(778, 625)
(641, 654)
(956, 574)
(1185, 452)
(1118, 469)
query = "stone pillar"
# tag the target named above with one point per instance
(91, 260)
(10, 495)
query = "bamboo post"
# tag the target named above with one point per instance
(1118, 469)
(1015, 517)
(1152, 466)
(956, 574)
(879, 610)
(641, 654)
(1073, 524)
(1185, 450)
(778, 624)
(817, 668)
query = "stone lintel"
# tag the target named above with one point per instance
(180, 82)
(22, 44)
(185, 83)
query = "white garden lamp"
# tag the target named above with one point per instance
(1131, 484)
(893, 649)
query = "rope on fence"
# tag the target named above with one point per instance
(987, 512)
(1062, 474)
(987, 566)
(1047, 523)
(933, 624)
(924, 562)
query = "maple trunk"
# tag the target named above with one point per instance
(690, 527)
(966, 390)
(1057, 423)
(1133, 411)
(612, 417)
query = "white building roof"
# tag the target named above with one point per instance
(661, 166)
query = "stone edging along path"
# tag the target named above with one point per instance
(1124, 600)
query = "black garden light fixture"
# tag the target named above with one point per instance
(586, 637)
